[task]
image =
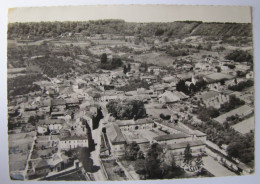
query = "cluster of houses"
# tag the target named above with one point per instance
(66, 108)
(176, 138)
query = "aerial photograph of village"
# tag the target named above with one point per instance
(108, 99)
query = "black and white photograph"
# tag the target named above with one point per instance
(130, 92)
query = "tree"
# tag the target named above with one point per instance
(153, 162)
(180, 86)
(129, 67)
(125, 69)
(187, 154)
(240, 56)
(127, 109)
(103, 58)
(131, 151)
(160, 163)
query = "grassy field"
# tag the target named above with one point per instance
(245, 126)
(157, 58)
(19, 148)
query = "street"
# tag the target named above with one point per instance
(96, 135)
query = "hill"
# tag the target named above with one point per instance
(120, 27)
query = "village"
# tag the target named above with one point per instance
(108, 124)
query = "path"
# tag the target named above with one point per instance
(96, 135)
(216, 168)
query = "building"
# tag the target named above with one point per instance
(149, 79)
(197, 147)
(116, 140)
(67, 143)
(52, 125)
(58, 104)
(72, 103)
(131, 125)
(172, 97)
(42, 168)
(213, 98)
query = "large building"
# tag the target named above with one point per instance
(67, 143)
(116, 140)
(213, 98)
(130, 125)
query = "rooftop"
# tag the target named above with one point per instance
(207, 95)
(114, 134)
(172, 96)
(51, 121)
(56, 102)
(218, 76)
(74, 138)
(171, 137)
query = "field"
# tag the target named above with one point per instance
(155, 111)
(19, 145)
(245, 126)
(158, 58)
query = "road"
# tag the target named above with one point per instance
(96, 135)
(29, 156)
(216, 168)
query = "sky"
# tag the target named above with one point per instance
(132, 13)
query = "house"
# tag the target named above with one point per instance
(154, 69)
(129, 74)
(159, 88)
(185, 76)
(53, 125)
(203, 66)
(116, 140)
(45, 106)
(171, 79)
(149, 79)
(42, 168)
(112, 95)
(59, 114)
(171, 97)
(213, 98)
(135, 67)
(56, 163)
(79, 127)
(72, 103)
(58, 104)
(67, 143)
(42, 129)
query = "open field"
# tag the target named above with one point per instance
(157, 58)
(155, 111)
(245, 126)
(19, 148)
